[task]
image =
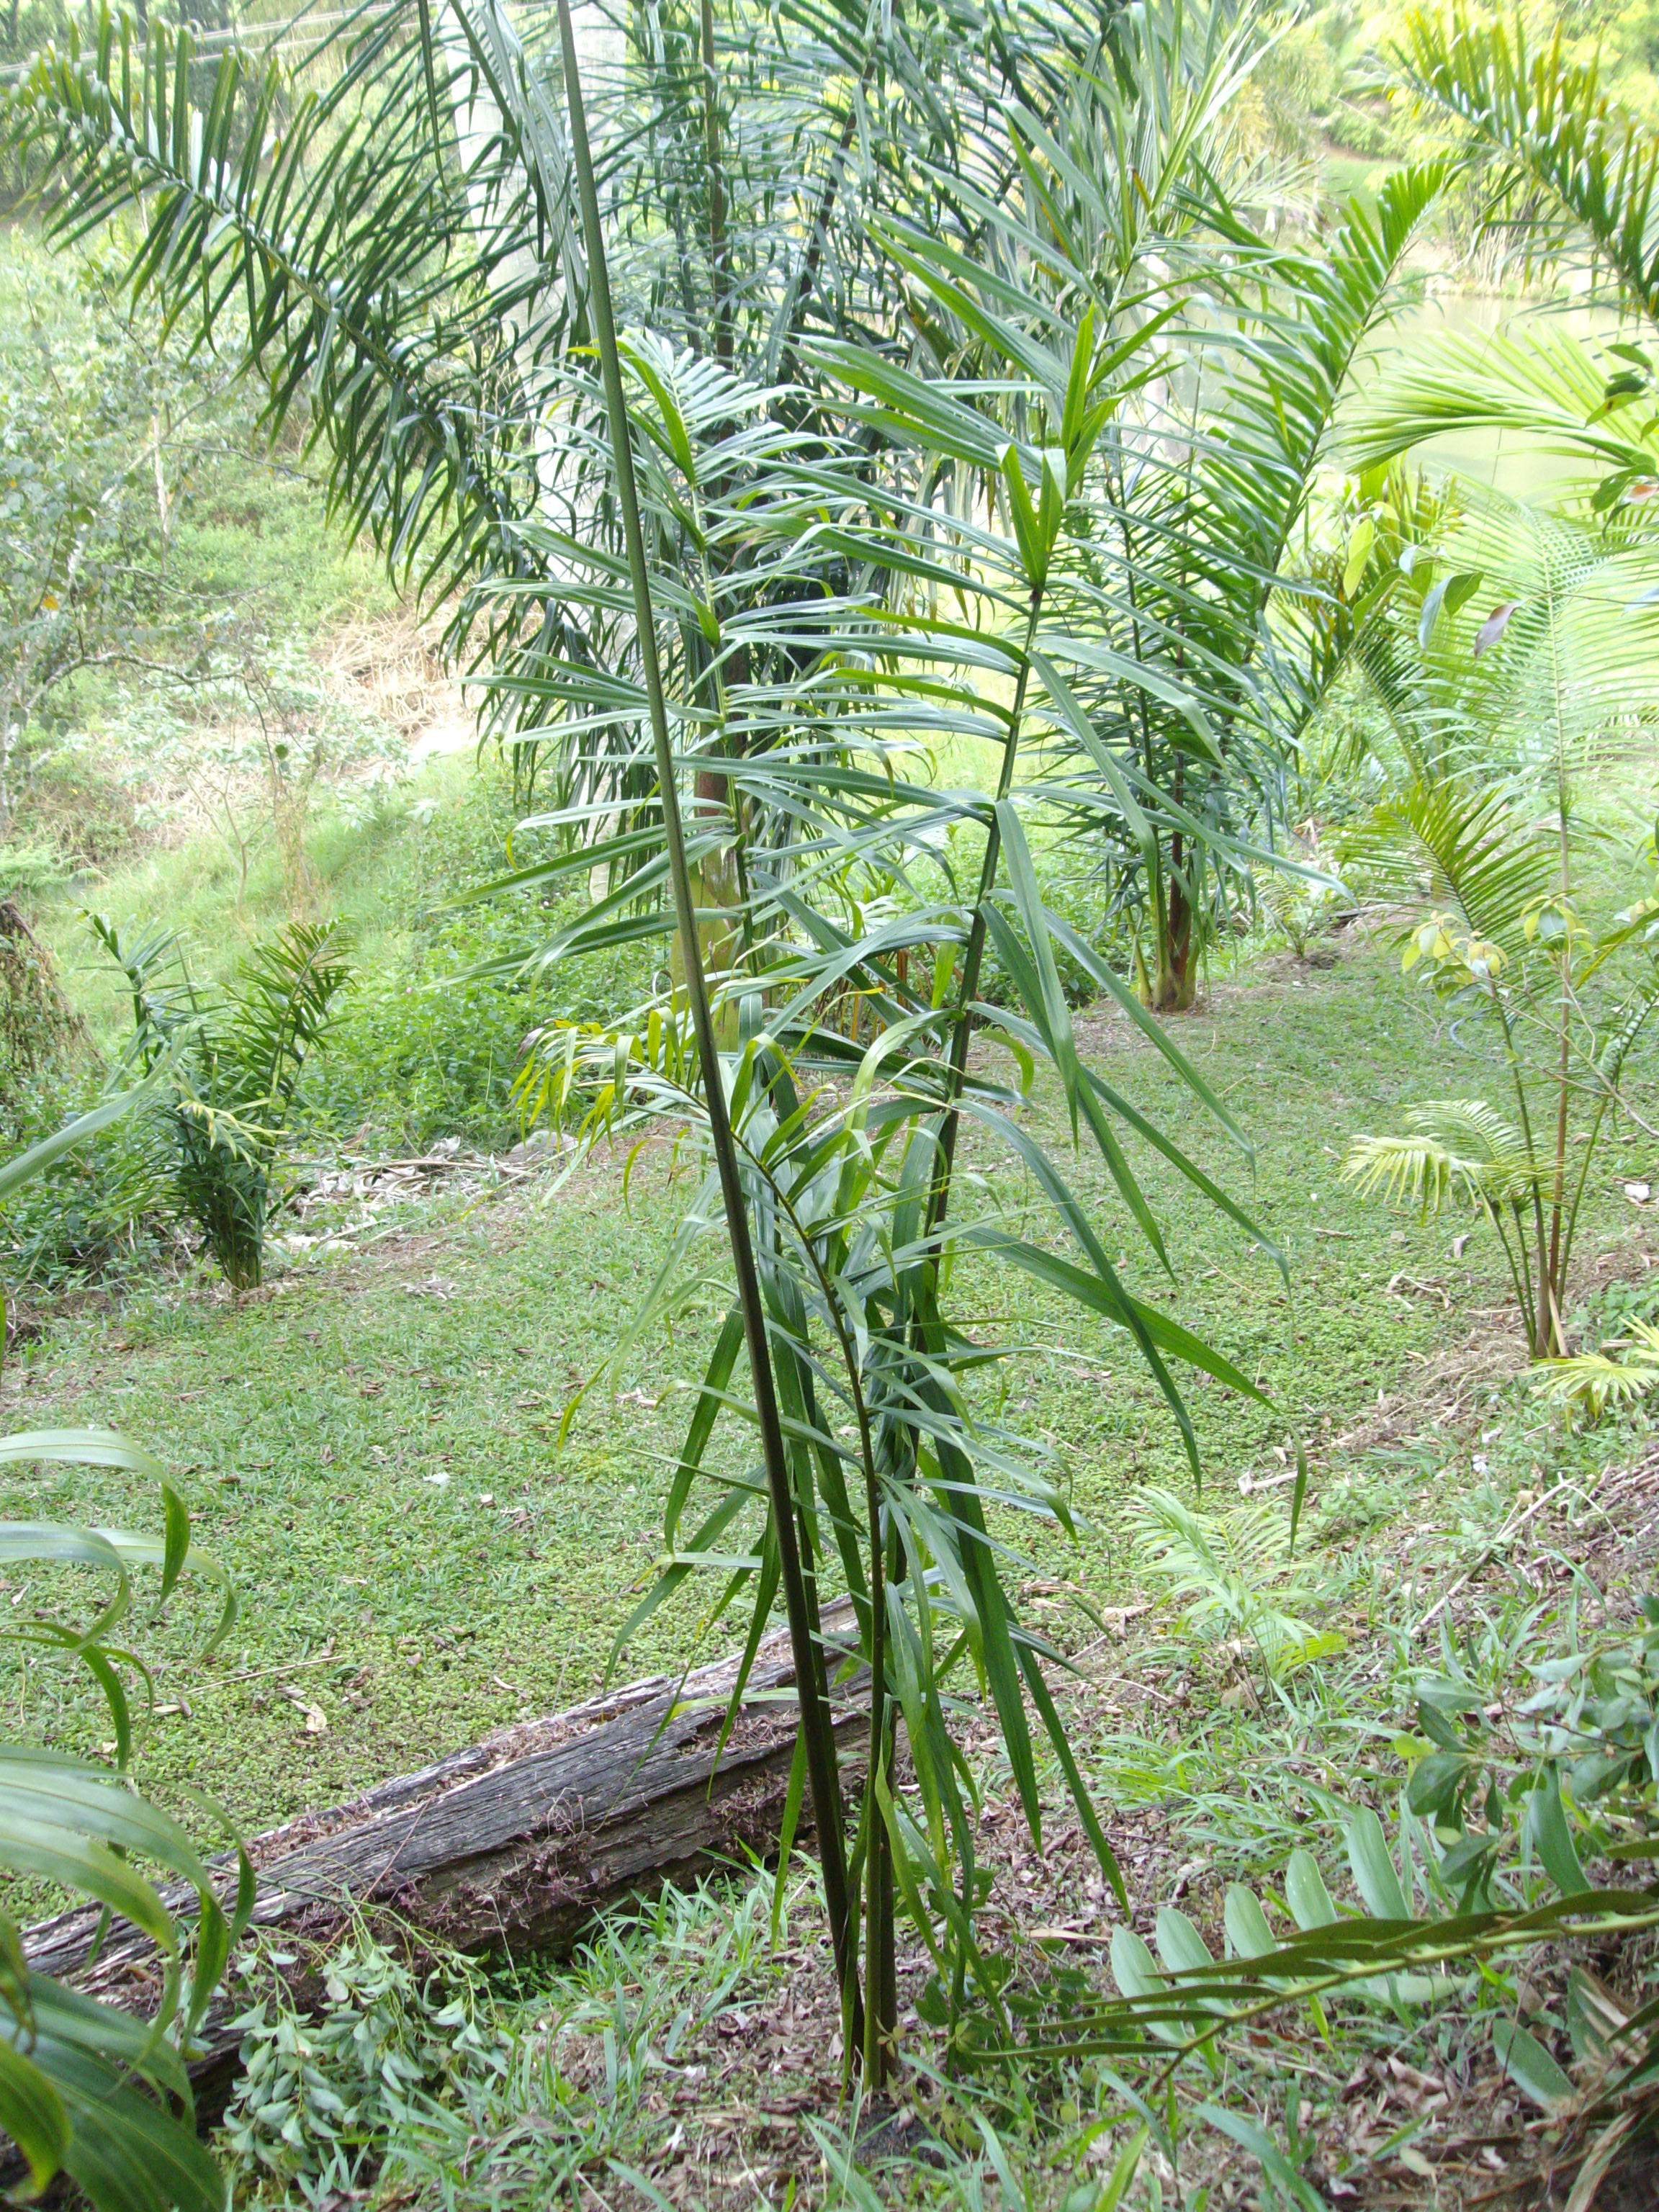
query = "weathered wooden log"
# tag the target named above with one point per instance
(516, 1842)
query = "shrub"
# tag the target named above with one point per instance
(320, 2098)
(97, 1210)
(234, 1060)
(37, 1023)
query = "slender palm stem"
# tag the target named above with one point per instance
(881, 1975)
(1553, 1274)
(1517, 1270)
(1590, 1142)
(1532, 1322)
(815, 1724)
(974, 957)
(711, 133)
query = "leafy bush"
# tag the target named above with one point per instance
(429, 1044)
(37, 1023)
(320, 2097)
(1530, 1763)
(426, 1048)
(96, 1210)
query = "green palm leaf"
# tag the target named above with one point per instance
(1548, 125)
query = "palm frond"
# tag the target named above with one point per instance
(1550, 128)
(1543, 385)
(1482, 860)
(1229, 1574)
(281, 1005)
(1458, 1148)
(1590, 1382)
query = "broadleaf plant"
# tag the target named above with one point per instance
(86, 2089)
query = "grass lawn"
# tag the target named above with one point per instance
(370, 1444)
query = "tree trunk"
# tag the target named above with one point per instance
(517, 1842)
(1175, 985)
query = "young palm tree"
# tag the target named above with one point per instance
(1497, 722)
(1559, 668)
(231, 1062)
(1206, 499)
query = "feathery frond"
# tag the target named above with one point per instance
(1548, 126)
(1458, 1148)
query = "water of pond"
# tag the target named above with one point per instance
(1509, 463)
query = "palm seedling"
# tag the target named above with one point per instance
(1590, 1382)
(1229, 1574)
(231, 1062)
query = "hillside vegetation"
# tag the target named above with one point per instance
(833, 825)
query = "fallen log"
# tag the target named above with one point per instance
(516, 1843)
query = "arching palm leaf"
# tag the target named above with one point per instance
(1547, 126)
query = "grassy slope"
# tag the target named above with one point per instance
(384, 860)
(310, 1420)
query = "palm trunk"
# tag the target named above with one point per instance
(717, 245)
(1177, 983)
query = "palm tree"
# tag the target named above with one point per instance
(1564, 166)
(1495, 722)
(1208, 518)
(1491, 712)
(830, 501)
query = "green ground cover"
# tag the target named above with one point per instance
(372, 1443)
